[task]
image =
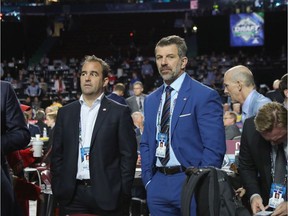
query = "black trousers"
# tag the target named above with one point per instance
(82, 203)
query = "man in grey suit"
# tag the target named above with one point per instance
(240, 86)
(231, 129)
(136, 102)
(94, 150)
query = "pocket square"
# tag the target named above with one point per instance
(183, 115)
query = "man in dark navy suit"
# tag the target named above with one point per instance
(118, 94)
(94, 150)
(14, 136)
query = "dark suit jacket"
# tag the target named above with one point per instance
(255, 162)
(113, 153)
(41, 126)
(275, 95)
(34, 129)
(14, 136)
(117, 98)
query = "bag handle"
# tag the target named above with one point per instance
(194, 176)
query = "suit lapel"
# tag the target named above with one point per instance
(102, 114)
(75, 123)
(182, 99)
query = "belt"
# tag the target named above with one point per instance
(86, 182)
(171, 170)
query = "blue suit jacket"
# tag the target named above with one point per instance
(197, 130)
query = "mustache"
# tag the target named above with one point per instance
(165, 68)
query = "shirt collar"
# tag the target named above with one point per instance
(99, 99)
(176, 85)
(245, 107)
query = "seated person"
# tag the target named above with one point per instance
(231, 129)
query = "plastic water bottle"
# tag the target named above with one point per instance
(44, 132)
(37, 146)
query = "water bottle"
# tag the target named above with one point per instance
(44, 132)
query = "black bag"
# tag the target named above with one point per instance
(213, 193)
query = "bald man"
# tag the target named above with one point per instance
(240, 86)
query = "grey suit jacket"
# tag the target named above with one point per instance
(133, 104)
(232, 131)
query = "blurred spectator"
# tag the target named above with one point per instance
(40, 117)
(231, 129)
(138, 191)
(36, 103)
(33, 89)
(136, 102)
(59, 85)
(138, 120)
(49, 109)
(51, 120)
(134, 78)
(112, 79)
(74, 82)
(275, 94)
(56, 102)
(43, 85)
(226, 107)
(263, 89)
(236, 107)
(34, 129)
(147, 72)
(284, 89)
(9, 78)
(118, 93)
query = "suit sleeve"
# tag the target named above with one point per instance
(211, 128)
(14, 132)
(247, 168)
(128, 151)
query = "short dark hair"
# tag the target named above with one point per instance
(40, 115)
(119, 87)
(105, 66)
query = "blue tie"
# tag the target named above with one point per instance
(165, 123)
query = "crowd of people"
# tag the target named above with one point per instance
(101, 125)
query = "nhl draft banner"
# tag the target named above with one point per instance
(246, 29)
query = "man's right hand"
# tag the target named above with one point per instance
(257, 204)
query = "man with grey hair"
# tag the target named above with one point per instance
(263, 141)
(183, 127)
(240, 86)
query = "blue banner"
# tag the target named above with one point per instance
(246, 29)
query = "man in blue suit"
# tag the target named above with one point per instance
(196, 136)
(240, 86)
